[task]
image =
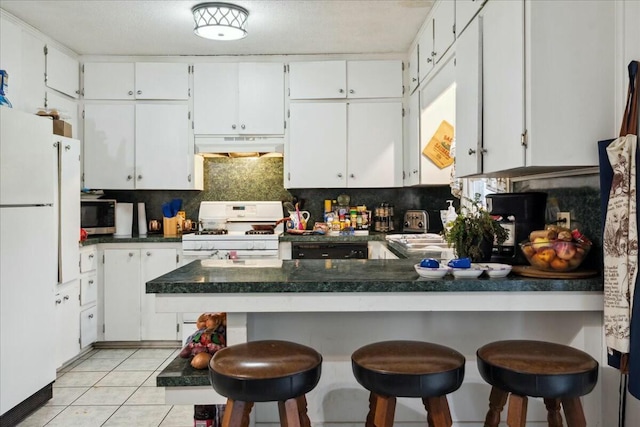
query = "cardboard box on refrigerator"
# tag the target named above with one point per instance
(61, 128)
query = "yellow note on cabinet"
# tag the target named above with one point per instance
(437, 150)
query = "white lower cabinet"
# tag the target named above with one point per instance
(88, 326)
(88, 296)
(67, 303)
(129, 313)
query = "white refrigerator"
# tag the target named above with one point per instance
(28, 258)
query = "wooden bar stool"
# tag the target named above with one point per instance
(516, 369)
(265, 371)
(392, 369)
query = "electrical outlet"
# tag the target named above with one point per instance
(564, 219)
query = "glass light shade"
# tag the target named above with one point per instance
(220, 21)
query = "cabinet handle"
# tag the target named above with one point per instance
(139, 92)
(352, 91)
(130, 254)
(78, 92)
(130, 92)
(90, 256)
(339, 175)
(472, 151)
(189, 178)
(415, 171)
(139, 177)
(429, 60)
(433, 53)
(233, 126)
(242, 126)
(352, 176)
(413, 79)
(91, 316)
(58, 301)
(148, 253)
(66, 297)
(91, 282)
(341, 90)
(129, 177)
(67, 147)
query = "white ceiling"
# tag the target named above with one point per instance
(141, 27)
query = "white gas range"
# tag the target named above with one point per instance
(235, 230)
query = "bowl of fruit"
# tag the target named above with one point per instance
(556, 249)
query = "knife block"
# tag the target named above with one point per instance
(170, 227)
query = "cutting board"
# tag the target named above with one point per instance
(528, 271)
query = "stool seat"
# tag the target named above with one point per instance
(265, 371)
(408, 368)
(537, 368)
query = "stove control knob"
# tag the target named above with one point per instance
(406, 223)
(420, 224)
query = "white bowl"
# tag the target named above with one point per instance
(497, 270)
(432, 273)
(467, 273)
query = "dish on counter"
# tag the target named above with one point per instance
(468, 273)
(432, 273)
(496, 270)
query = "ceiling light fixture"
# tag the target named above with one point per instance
(220, 21)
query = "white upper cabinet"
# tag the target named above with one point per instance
(443, 28)
(541, 109)
(140, 80)
(414, 75)
(465, 11)
(411, 149)
(334, 144)
(239, 99)
(144, 146)
(63, 72)
(345, 79)
(425, 46)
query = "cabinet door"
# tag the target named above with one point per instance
(67, 322)
(414, 75)
(68, 207)
(444, 36)
(164, 153)
(88, 326)
(412, 142)
(122, 294)
(374, 149)
(87, 260)
(88, 289)
(109, 80)
(261, 98)
(109, 134)
(468, 159)
(161, 80)
(425, 44)
(503, 85)
(156, 326)
(63, 72)
(215, 99)
(317, 80)
(465, 11)
(374, 79)
(317, 145)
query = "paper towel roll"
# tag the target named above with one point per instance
(124, 219)
(142, 220)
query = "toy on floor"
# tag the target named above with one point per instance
(209, 338)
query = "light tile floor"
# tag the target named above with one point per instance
(112, 388)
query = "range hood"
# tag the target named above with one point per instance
(238, 144)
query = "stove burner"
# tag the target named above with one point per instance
(259, 232)
(213, 232)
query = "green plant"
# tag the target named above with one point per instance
(472, 230)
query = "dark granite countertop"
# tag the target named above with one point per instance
(150, 238)
(180, 373)
(326, 276)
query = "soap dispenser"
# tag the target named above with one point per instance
(451, 216)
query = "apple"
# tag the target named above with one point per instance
(559, 264)
(565, 250)
(537, 262)
(546, 254)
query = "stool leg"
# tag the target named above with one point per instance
(554, 419)
(517, 412)
(438, 414)
(381, 410)
(302, 411)
(236, 413)
(497, 400)
(289, 413)
(573, 412)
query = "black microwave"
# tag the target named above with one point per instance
(98, 216)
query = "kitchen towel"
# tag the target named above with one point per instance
(124, 219)
(142, 220)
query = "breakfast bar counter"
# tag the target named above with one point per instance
(336, 306)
